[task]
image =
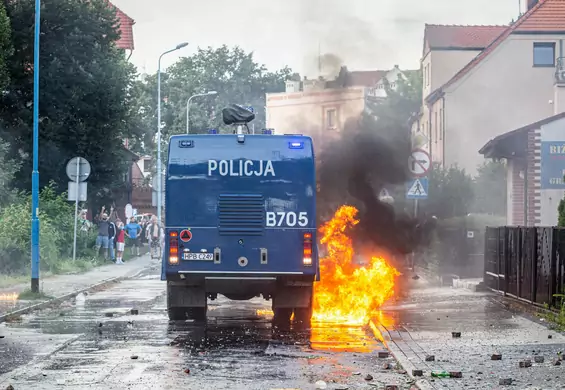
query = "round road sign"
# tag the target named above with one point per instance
(419, 162)
(78, 165)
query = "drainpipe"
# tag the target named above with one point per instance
(430, 130)
(443, 131)
(526, 191)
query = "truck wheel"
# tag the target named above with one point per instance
(303, 316)
(177, 313)
(281, 317)
(197, 313)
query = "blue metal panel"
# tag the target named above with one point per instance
(230, 194)
(552, 165)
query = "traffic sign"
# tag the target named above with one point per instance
(78, 169)
(129, 211)
(185, 235)
(417, 188)
(419, 162)
(74, 193)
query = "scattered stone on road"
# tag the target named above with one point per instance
(430, 358)
(368, 377)
(539, 359)
(417, 373)
(505, 382)
(525, 363)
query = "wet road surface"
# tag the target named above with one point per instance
(424, 325)
(101, 344)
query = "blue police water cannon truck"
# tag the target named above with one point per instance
(240, 220)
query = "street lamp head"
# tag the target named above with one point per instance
(212, 93)
(181, 45)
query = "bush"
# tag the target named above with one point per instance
(56, 236)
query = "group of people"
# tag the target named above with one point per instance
(114, 234)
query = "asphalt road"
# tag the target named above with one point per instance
(100, 344)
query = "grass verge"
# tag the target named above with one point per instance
(66, 266)
(28, 295)
(557, 317)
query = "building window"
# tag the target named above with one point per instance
(427, 74)
(331, 118)
(544, 54)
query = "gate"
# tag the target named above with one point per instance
(527, 263)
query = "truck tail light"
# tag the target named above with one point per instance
(307, 251)
(173, 248)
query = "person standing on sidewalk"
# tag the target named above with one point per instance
(133, 233)
(102, 240)
(111, 236)
(120, 242)
(154, 233)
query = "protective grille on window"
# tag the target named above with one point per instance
(241, 214)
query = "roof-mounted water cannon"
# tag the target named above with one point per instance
(238, 116)
(268, 131)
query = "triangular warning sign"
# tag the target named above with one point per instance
(185, 235)
(417, 189)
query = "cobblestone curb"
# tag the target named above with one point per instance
(385, 336)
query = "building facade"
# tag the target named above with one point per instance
(322, 109)
(509, 84)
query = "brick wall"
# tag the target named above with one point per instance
(531, 166)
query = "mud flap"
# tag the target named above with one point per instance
(290, 297)
(185, 296)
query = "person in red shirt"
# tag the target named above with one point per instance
(120, 242)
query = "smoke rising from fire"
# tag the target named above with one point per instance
(332, 37)
(354, 169)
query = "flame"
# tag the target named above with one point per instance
(348, 293)
(9, 297)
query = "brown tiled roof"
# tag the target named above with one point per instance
(126, 29)
(439, 36)
(365, 78)
(545, 16)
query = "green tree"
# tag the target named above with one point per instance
(6, 48)
(451, 192)
(85, 100)
(490, 188)
(8, 168)
(233, 73)
(392, 114)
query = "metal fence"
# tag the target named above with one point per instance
(527, 263)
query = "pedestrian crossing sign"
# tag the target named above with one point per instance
(417, 188)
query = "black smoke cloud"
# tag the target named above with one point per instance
(353, 169)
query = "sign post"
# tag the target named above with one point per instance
(419, 164)
(78, 170)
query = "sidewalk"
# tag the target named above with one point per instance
(61, 285)
(422, 325)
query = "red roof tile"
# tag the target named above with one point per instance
(126, 29)
(438, 36)
(545, 16)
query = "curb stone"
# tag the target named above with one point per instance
(382, 334)
(41, 305)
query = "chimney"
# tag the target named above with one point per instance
(531, 4)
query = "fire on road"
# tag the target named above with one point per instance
(348, 293)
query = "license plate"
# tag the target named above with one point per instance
(198, 256)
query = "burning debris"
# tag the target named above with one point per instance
(349, 293)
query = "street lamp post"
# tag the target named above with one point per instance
(209, 93)
(35, 171)
(159, 172)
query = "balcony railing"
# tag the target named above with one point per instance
(560, 71)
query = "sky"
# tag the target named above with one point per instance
(363, 34)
